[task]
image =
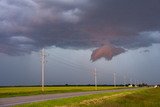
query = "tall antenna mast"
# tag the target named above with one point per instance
(43, 56)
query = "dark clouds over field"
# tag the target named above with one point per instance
(75, 31)
(29, 25)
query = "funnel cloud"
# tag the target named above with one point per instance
(107, 52)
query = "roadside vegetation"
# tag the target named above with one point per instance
(144, 97)
(26, 91)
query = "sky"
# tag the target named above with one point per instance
(119, 36)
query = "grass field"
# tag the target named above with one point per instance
(26, 91)
(146, 97)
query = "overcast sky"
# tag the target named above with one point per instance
(121, 36)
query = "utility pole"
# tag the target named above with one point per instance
(43, 62)
(95, 78)
(124, 80)
(114, 79)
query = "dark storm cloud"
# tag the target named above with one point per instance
(29, 25)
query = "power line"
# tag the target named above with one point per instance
(69, 62)
(66, 60)
(72, 66)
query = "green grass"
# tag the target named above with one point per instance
(81, 101)
(145, 97)
(26, 91)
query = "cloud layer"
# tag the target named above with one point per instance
(29, 25)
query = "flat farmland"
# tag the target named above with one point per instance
(27, 91)
(144, 97)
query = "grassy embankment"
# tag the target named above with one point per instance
(26, 91)
(146, 97)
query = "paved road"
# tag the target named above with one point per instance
(5, 102)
